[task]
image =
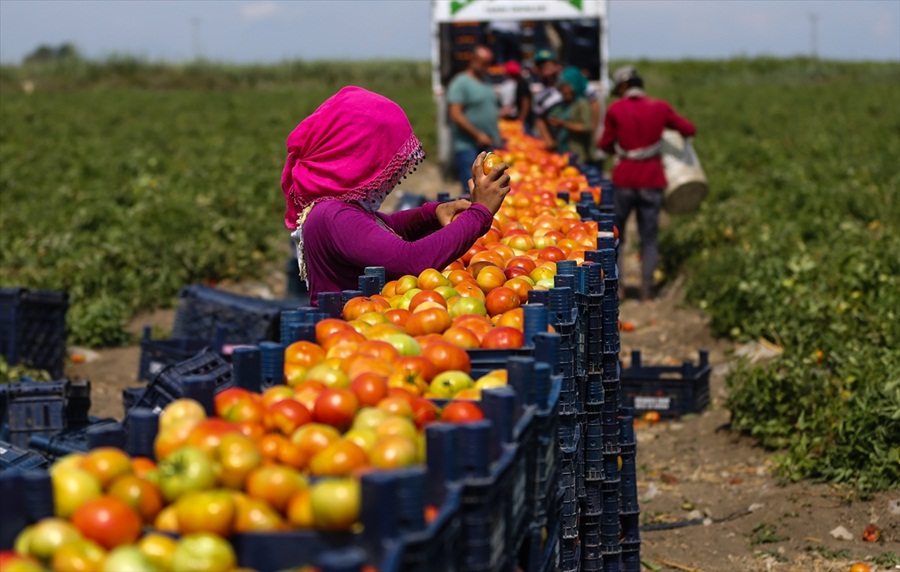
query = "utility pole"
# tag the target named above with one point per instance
(195, 37)
(814, 45)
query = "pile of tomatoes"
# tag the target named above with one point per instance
(356, 399)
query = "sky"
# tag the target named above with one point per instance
(266, 31)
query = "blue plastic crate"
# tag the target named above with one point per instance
(485, 360)
(672, 391)
(33, 328)
(13, 457)
(157, 354)
(631, 556)
(168, 385)
(438, 547)
(206, 313)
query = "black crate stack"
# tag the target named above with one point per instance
(563, 319)
(629, 511)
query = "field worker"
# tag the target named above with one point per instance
(343, 160)
(515, 94)
(547, 95)
(633, 129)
(474, 111)
(571, 123)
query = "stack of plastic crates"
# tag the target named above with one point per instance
(629, 510)
(563, 320)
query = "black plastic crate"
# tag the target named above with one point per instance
(157, 354)
(74, 440)
(33, 328)
(672, 391)
(13, 457)
(168, 385)
(206, 313)
(43, 407)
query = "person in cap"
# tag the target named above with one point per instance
(632, 130)
(342, 162)
(474, 111)
(547, 95)
(571, 123)
(515, 95)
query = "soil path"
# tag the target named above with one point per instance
(690, 470)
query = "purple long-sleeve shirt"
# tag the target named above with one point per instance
(341, 239)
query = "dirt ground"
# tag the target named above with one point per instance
(690, 470)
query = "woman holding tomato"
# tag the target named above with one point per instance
(343, 161)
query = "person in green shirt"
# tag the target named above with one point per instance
(474, 111)
(571, 122)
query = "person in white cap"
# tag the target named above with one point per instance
(633, 129)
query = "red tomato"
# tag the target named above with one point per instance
(424, 411)
(329, 326)
(462, 337)
(501, 299)
(415, 364)
(503, 337)
(108, 521)
(445, 356)
(429, 321)
(303, 353)
(552, 253)
(426, 296)
(339, 459)
(398, 316)
(140, 494)
(336, 407)
(461, 412)
(356, 307)
(350, 336)
(379, 349)
(369, 388)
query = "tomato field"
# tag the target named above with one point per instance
(122, 181)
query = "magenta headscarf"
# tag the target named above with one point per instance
(354, 148)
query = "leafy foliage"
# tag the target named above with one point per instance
(799, 243)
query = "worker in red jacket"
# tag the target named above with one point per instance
(633, 129)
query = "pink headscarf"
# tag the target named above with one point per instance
(355, 147)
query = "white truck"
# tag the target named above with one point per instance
(576, 30)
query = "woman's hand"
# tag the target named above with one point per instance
(489, 190)
(447, 211)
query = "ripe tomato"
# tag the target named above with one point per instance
(430, 278)
(106, 463)
(108, 521)
(445, 356)
(358, 363)
(490, 277)
(396, 405)
(424, 411)
(479, 325)
(206, 511)
(503, 337)
(356, 307)
(501, 299)
(462, 337)
(328, 326)
(339, 459)
(490, 161)
(369, 388)
(552, 253)
(415, 364)
(461, 412)
(426, 296)
(394, 452)
(313, 437)
(379, 349)
(286, 416)
(346, 336)
(513, 318)
(140, 494)
(398, 316)
(470, 289)
(430, 321)
(336, 407)
(207, 434)
(274, 484)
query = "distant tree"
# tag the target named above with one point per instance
(47, 54)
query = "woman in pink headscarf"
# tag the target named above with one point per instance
(343, 160)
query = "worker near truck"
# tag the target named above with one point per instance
(632, 130)
(474, 111)
(571, 122)
(342, 162)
